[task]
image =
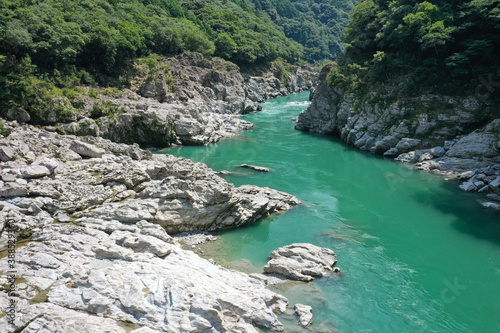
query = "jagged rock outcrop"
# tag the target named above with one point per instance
(98, 213)
(438, 133)
(302, 262)
(128, 184)
(137, 119)
(131, 274)
(187, 100)
(474, 159)
(223, 88)
(391, 129)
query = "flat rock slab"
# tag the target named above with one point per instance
(254, 167)
(302, 262)
(34, 171)
(86, 149)
(11, 189)
(7, 154)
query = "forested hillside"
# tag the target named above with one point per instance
(103, 37)
(315, 24)
(414, 47)
(46, 46)
(54, 44)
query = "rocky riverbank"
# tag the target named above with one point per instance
(442, 134)
(97, 255)
(188, 99)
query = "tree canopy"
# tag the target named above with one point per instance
(103, 37)
(316, 24)
(62, 43)
(441, 46)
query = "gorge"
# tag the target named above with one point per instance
(403, 238)
(249, 166)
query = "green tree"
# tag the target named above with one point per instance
(225, 46)
(419, 46)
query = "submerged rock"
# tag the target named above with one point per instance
(305, 314)
(225, 172)
(302, 262)
(254, 167)
(492, 205)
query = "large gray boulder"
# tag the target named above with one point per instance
(13, 189)
(34, 171)
(302, 262)
(476, 145)
(407, 144)
(7, 154)
(86, 149)
(50, 163)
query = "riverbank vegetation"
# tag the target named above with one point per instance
(410, 48)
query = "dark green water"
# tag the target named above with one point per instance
(418, 254)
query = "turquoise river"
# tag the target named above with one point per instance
(418, 254)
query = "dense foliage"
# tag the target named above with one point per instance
(446, 46)
(102, 37)
(240, 34)
(315, 24)
(52, 44)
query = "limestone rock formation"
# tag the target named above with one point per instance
(200, 104)
(474, 158)
(389, 129)
(437, 141)
(124, 274)
(302, 262)
(100, 256)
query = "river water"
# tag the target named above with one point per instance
(418, 254)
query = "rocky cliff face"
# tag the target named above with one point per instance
(100, 257)
(184, 100)
(442, 134)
